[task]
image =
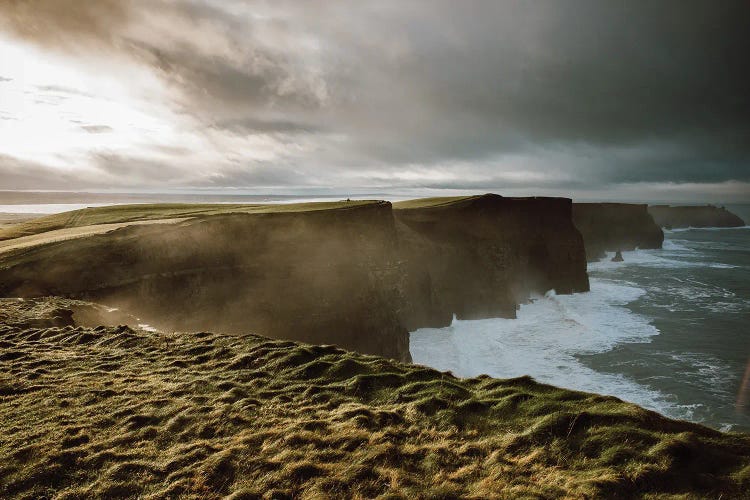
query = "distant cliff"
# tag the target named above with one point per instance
(608, 227)
(694, 216)
(359, 276)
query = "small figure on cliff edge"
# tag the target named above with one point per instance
(618, 257)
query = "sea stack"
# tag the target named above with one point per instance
(618, 257)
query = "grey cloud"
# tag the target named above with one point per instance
(628, 92)
(252, 125)
(97, 129)
(108, 171)
(133, 170)
(64, 91)
(20, 174)
(259, 175)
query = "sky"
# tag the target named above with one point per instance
(635, 100)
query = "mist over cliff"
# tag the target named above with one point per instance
(360, 275)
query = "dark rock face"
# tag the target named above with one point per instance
(608, 227)
(694, 216)
(618, 257)
(360, 278)
(480, 257)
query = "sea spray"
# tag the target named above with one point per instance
(545, 342)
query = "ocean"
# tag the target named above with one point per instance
(667, 329)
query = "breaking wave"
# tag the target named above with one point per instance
(545, 342)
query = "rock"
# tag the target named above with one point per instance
(608, 227)
(618, 257)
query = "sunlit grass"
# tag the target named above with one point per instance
(110, 412)
(433, 202)
(141, 212)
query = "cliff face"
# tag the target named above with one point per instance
(608, 227)
(360, 277)
(479, 257)
(319, 277)
(694, 216)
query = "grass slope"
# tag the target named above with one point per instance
(116, 412)
(142, 212)
(434, 202)
(71, 233)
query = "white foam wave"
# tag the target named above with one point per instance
(689, 294)
(683, 229)
(707, 370)
(545, 340)
(645, 258)
(670, 257)
(676, 246)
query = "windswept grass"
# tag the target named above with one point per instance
(435, 202)
(116, 412)
(142, 212)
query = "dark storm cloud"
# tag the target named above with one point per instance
(634, 91)
(570, 73)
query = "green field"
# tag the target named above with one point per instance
(116, 412)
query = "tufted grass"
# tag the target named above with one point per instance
(115, 412)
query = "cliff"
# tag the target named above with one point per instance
(118, 412)
(608, 227)
(317, 276)
(694, 216)
(359, 275)
(480, 256)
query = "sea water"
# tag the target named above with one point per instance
(667, 329)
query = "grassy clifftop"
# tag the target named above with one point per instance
(433, 202)
(117, 412)
(143, 212)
